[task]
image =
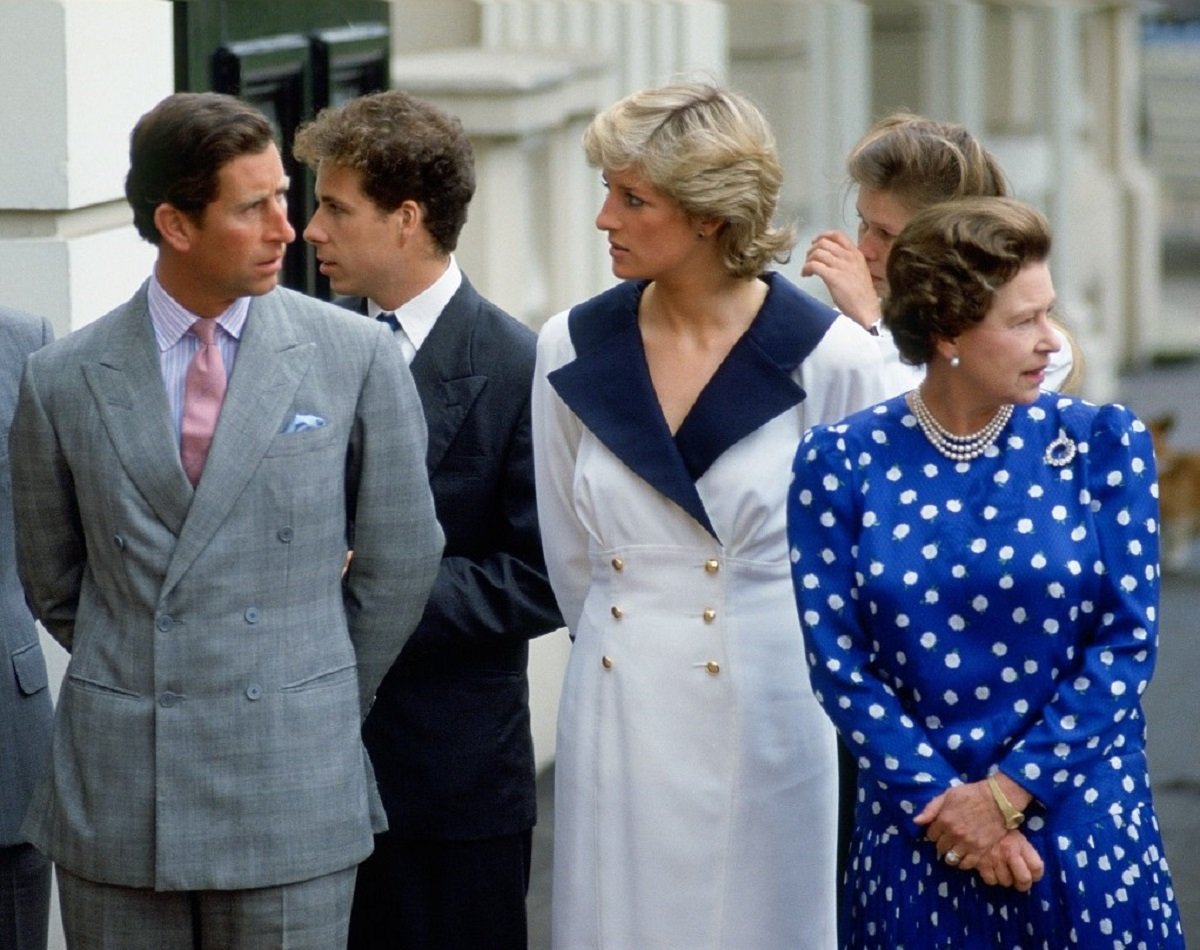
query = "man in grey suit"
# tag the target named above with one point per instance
(207, 785)
(450, 734)
(25, 709)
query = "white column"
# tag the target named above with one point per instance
(529, 243)
(648, 42)
(952, 63)
(806, 64)
(1141, 219)
(76, 74)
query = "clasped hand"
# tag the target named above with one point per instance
(965, 819)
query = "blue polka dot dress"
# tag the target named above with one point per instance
(1000, 613)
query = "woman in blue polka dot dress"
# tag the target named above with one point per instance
(976, 570)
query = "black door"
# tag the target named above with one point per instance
(290, 59)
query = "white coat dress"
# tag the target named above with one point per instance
(696, 776)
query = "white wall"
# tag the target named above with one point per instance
(76, 75)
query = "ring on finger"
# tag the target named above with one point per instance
(952, 857)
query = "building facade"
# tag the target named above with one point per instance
(1052, 86)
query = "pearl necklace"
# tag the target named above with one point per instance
(958, 448)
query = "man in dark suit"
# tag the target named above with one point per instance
(449, 735)
(25, 709)
(207, 785)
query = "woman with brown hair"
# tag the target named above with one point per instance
(904, 164)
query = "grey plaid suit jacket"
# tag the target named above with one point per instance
(25, 709)
(207, 734)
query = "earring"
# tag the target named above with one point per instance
(954, 362)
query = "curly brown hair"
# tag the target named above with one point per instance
(406, 149)
(948, 263)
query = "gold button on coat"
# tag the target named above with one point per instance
(710, 615)
(713, 667)
(606, 662)
(618, 564)
(618, 613)
(712, 565)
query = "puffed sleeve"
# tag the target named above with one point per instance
(1091, 724)
(825, 517)
(843, 374)
(556, 435)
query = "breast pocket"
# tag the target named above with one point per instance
(465, 466)
(300, 443)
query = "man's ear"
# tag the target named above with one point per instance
(409, 218)
(174, 226)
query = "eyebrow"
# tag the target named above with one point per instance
(872, 222)
(281, 189)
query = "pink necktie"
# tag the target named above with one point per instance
(202, 396)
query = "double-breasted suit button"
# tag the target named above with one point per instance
(285, 535)
(618, 564)
(119, 542)
(709, 615)
(617, 612)
(606, 662)
(712, 565)
(251, 615)
(713, 667)
(164, 623)
(167, 700)
(254, 691)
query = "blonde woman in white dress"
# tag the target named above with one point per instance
(696, 778)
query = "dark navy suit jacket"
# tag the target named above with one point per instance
(449, 734)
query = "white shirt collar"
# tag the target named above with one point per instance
(418, 315)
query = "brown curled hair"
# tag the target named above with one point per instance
(948, 263)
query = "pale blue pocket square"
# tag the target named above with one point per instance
(302, 423)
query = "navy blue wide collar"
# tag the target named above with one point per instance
(608, 386)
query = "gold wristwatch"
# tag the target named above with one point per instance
(1012, 817)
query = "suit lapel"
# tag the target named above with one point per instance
(443, 374)
(442, 369)
(126, 382)
(271, 362)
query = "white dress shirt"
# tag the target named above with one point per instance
(417, 316)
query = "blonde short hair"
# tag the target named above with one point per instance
(712, 152)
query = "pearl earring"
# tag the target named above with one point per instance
(954, 362)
